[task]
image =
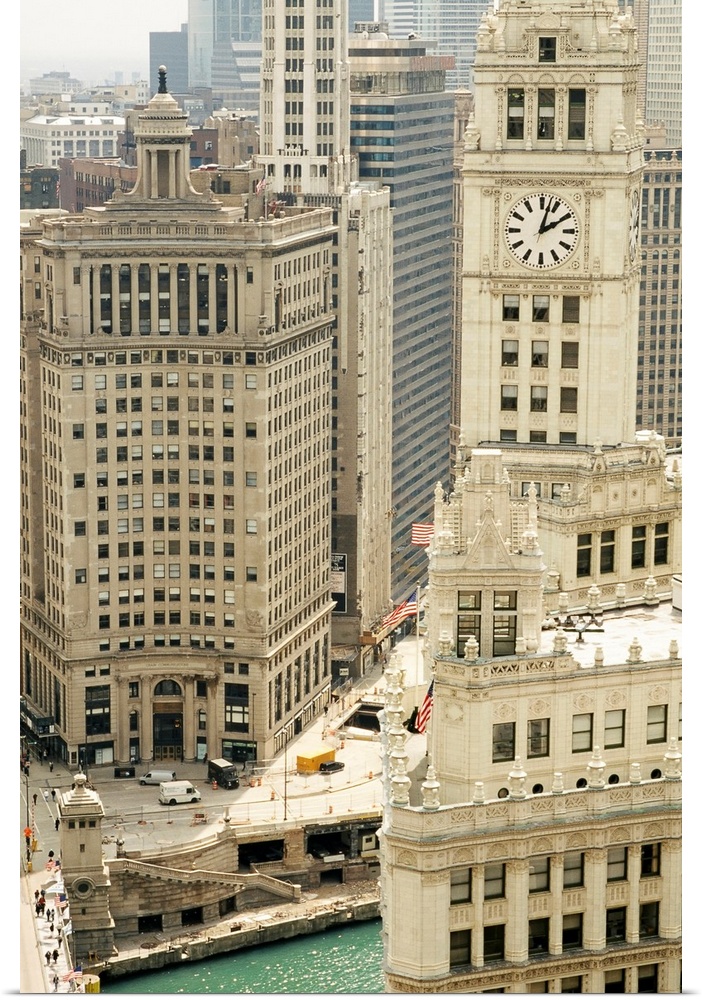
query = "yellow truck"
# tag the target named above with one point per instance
(309, 762)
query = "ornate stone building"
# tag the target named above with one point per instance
(537, 847)
(175, 366)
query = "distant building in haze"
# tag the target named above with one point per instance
(169, 49)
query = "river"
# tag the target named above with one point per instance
(346, 960)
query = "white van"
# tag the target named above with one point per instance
(173, 792)
(156, 777)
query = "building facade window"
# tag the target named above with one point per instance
(515, 113)
(494, 881)
(494, 943)
(614, 728)
(538, 737)
(615, 924)
(538, 936)
(582, 732)
(539, 874)
(583, 562)
(657, 724)
(638, 546)
(650, 860)
(572, 931)
(461, 886)
(503, 746)
(573, 869)
(616, 864)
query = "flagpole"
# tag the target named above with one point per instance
(416, 674)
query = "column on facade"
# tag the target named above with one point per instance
(477, 946)
(146, 728)
(670, 915)
(633, 871)
(188, 714)
(517, 893)
(555, 924)
(152, 159)
(594, 920)
(122, 728)
(173, 297)
(213, 747)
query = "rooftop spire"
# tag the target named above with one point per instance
(162, 88)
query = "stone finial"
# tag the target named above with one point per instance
(557, 783)
(593, 598)
(471, 136)
(599, 656)
(650, 596)
(162, 88)
(430, 790)
(634, 651)
(445, 643)
(565, 493)
(479, 792)
(516, 780)
(471, 649)
(620, 594)
(563, 603)
(672, 760)
(520, 646)
(553, 581)
(635, 773)
(674, 649)
(560, 641)
(595, 770)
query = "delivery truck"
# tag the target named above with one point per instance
(171, 793)
(223, 772)
(309, 762)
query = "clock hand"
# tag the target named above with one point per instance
(543, 227)
(552, 225)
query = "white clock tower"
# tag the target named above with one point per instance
(551, 182)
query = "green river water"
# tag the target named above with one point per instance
(341, 960)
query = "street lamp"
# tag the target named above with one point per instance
(590, 619)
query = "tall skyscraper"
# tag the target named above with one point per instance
(453, 24)
(175, 466)
(402, 133)
(170, 49)
(212, 27)
(659, 23)
(659, 377)
(306, 159)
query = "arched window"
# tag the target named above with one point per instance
(168, 688)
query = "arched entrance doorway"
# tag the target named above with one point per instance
(168, 721)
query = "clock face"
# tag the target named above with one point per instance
(541, 230)
(634, 225)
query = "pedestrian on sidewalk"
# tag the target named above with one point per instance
(55, 955)
(37, 909)
(53, 794)
(56, 983)
(51, 765)
(57, 823)
(36, 895)
(47, 956)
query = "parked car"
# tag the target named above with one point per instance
(331, 765)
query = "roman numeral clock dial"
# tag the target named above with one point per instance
(541, 230)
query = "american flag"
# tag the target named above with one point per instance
(73, 974)
(424, 713)
(402, 611)
(261, 184)
(422, 534)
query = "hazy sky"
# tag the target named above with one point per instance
(91, 39)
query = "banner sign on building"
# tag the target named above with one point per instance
(338, 581)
